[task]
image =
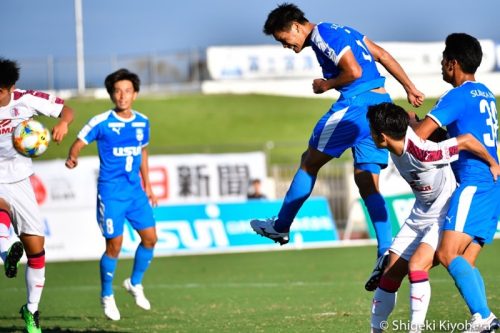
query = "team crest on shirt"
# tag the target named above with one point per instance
(15, 112)
(139, 134)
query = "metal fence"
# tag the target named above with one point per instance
(332, 183)
(182, 70)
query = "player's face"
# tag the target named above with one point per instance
(378, 139)
(124, 95)
(291, 39)
(5, 95)
(447, 70)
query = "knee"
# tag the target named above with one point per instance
(149, 241)
(444, 257)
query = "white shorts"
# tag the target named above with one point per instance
(25, 212)
(411, 235)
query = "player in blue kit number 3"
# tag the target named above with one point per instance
(122, 136)
(347, 59)
(471, 221)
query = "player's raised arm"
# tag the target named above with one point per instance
(414, 96)
(74, 152)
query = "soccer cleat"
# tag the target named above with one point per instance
(477, 324)
(14, 254)
(110, 309)
(377, 272)
(266, 228)
(138, 292)
(32, 320)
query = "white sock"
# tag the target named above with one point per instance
(382, 305)
(420, 296)
(35, 279)
(4, 241)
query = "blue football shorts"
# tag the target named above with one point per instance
(345, 126)
(474, 210)
(111, 214)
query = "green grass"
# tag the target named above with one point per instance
(283, 291)
(217, 124)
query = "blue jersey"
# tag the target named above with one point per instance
(330, 42)
(469, 108)
(119, 143)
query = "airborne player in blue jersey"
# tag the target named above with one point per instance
(122, 136)
(347, 59)
(472, 217)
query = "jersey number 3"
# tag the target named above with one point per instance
(490, 109)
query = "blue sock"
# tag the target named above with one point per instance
(142, 259)
(300, 189)
(480, 282)
(375, 205)
(466, 281)
(108, 267)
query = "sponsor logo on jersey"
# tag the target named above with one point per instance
(6, 126)
(116, 127)
(127, 151)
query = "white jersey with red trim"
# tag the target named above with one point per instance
(425, 165)
(24, 104)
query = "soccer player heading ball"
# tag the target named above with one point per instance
(122, 136)
(18, 205)
(347, 58)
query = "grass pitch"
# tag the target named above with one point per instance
(318, 290)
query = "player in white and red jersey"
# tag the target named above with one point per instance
(425, 165)
(18, 205)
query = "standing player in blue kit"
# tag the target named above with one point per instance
(122, 136)
(471, 222)
(347, 59)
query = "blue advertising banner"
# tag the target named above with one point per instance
(225, 227)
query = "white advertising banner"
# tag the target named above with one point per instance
(425, 58)
(68, 197)
(175, 179)
(261, 61)
(274, 61)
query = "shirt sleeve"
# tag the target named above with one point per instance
(44, 103)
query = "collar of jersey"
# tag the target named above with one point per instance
(126, 120)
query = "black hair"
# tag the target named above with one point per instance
(282, 17)
(388, 118)
(119, 75)
(465, 49)
(9, 73)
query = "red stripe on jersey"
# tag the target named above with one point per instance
(18, 94)
(422, 154)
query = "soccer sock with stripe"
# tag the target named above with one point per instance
(420, 296)
(384, 301)
(35, 279)
(300, 189)
(376, 207)
(466, 281)
(143, 257)
(107, 267)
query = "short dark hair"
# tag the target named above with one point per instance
(282, 17)
(119, 75)
(9, 73)
(388, 118)
(465, 49)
